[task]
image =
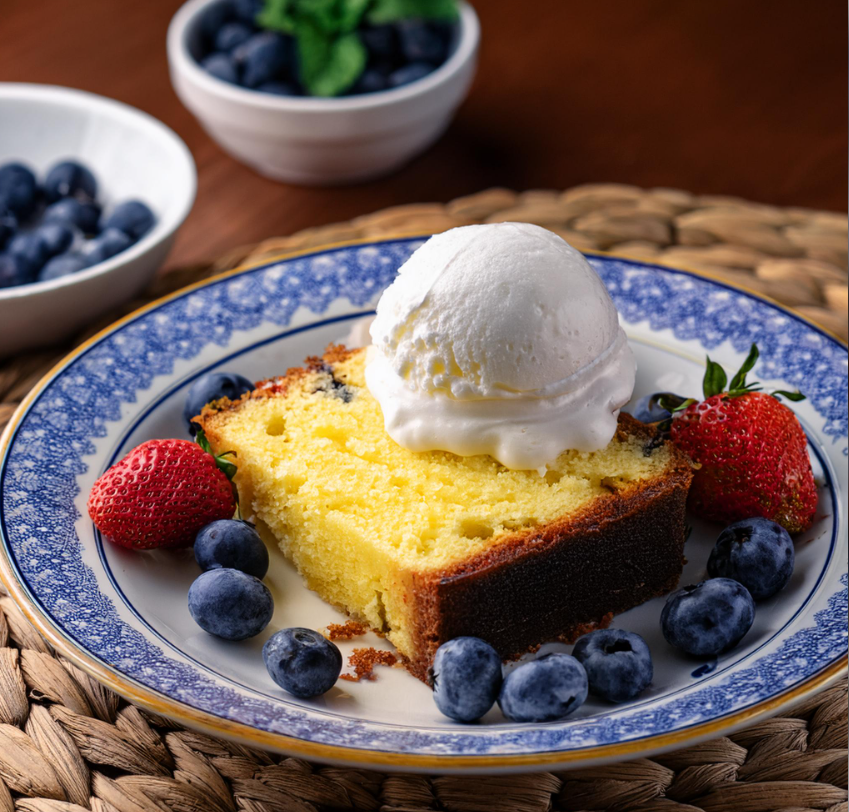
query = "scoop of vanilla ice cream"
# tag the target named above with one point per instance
(499, 339)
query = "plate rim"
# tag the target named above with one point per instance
(159, 703)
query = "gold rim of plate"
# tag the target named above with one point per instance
(161, 704)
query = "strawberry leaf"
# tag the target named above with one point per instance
(746, 390)
(715, 379)
(674, 403)
(202, 441)
(794, 396)
(229, 468)
(739, 380)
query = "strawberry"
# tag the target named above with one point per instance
(161, 494)
(751, 450)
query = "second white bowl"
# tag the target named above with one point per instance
(132, 156)
(318, 141)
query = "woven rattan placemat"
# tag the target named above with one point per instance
(67, 744)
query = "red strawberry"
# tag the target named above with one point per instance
(752, 452)
(161, 494)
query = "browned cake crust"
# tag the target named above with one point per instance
(554, 582)
(562, 579)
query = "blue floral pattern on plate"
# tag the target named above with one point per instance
(47, 450)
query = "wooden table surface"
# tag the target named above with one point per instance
(741, 97)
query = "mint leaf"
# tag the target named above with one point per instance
(332, 16)
(313, 50)
(352, 14)
(343, 16)
(390, 11)
(329, 66)
(739, 380)
(278, 15)
(715, 379)
(329, 16)
(330, 53)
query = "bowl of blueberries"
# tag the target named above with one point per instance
(323, 93)
(92, 193)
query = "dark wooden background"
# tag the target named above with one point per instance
(742, 97)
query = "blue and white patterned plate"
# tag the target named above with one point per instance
(122, 616)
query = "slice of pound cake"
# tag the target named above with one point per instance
(429, 546)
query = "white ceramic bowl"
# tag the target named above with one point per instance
(320, 141)
(133, 156)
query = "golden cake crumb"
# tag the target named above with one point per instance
(346, 631)
(363, 661)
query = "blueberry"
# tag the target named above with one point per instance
(446, 32)
(8, 224)
(421, 42)
(466, 678)
(63, 265)
(70, 179)
(246, 10)
(618, 663)
(409, 73)
(222, 66)
(15, 270)
(71, 212)
(230, 604)
(279, 88)
(18, 189)
(381, 42)
(31, 248)
(213, 386)
(648, 410)
(231, 544)
(232, 35)
(709, 618)
(545, 689)
(105, 246)
(302, 662)
(132, 217)
(372, 80)
(263, 58)
(756, 552)
(57, 237)
(214, 16)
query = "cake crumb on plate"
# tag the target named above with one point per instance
(345, 631)
(363, 661)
